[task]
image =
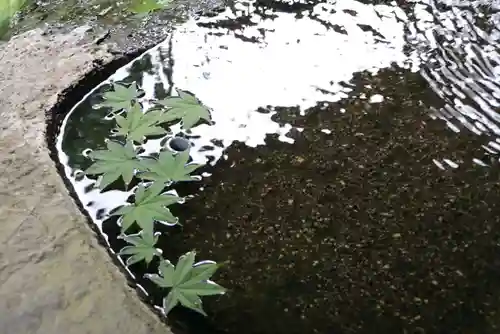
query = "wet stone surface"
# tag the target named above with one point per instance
(109, 23)
(351, 169)
(54, 277)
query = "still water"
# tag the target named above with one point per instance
(351, 175)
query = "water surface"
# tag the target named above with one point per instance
(351, 174)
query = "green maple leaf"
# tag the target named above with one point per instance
(188, 282)
(142, 247)
(138, 125)
(169, 167)
(115, 162)
(185, 107)
(121, 97)
(150, 205)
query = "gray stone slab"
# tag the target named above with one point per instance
(54, 277)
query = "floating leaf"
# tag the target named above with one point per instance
(185, 107)
(203, 270)
(138, 125)
(118, 160)
(169, 167)
(166, 269)
(149, 206)
(142, 247)
(188, 282)
(121, 97)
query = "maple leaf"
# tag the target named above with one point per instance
(150, 205)
(115, 162)
(142, 247)
(138, 125)
(188, 282)
(121, 97)
(168, 167)
(185, 107)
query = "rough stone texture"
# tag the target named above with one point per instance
(54, 278)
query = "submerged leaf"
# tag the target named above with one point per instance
(142, 247)
(137, 125)
(186, 107)
(188, 282)
(169, 167)
(149, 206)
(115, 162)
(121, 97)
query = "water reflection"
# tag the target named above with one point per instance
(243, 63)
(240, 68)
(353, 88)
(458, 43)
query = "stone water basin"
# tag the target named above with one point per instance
(350, 167)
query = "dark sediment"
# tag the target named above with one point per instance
(356, 231)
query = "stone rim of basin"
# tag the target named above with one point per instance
(54, 118)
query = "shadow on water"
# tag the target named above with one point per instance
(348, 194)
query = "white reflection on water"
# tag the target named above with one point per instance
(291, 62)
(458, 44)
(282, 61)
(297, 62)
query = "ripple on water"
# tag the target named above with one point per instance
(459, 45)
(329, 171)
